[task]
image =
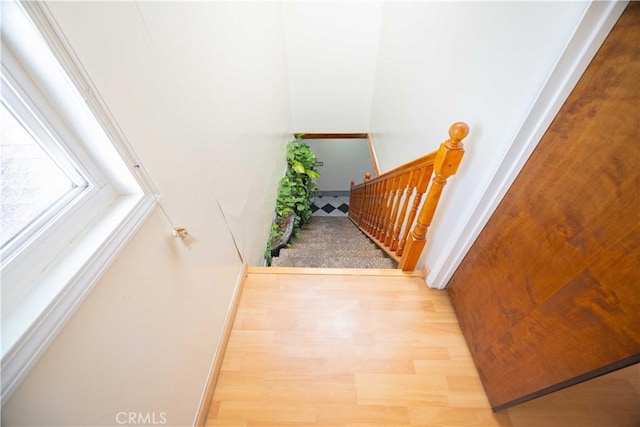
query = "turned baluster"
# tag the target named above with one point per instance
(388, 205)
(374, 215)
(376, 206)
(371, 201)
(382, 209)
(368, 200)
(361, 199)
(365, 201)
(421, 187)
(356, 209)
(352, 201)
(393, 216)
(446, 164)
(390, 214)
(384, 194)
(408, 191)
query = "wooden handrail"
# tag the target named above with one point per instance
(386, 207)
(373, 156)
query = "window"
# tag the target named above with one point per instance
(37, 178)
(69, 201)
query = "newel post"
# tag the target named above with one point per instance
(446, 164)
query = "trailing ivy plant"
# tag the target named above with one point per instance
(272, 235)
(297, 189)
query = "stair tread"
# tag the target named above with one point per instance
(372, 253)
(335, 243)
(329, 242)
(337, 262)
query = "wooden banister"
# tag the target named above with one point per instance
(386, 207)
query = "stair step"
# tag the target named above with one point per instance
(333, 253)
(351, 232)
(329, 242)
(333, 262)
(337, 244)
(323, 234)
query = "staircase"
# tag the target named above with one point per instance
(333, 242)
(394, 209)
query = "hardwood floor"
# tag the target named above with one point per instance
(349, 350)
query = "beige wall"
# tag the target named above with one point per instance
(200, 90)
(331, 55)
(342, 160)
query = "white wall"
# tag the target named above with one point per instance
(343, 160)
(331, 52)
(483, 63)
(201, 92)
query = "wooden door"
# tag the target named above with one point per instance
(549, 296)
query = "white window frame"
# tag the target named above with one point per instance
(44, 129)
(38, 131)
(45, 277)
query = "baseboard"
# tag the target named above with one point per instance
(424, 272)
(339, 193)
(207, 397)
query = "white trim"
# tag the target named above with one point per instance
(66, 56)
(72, 212)
(596, 23)
(120, 224)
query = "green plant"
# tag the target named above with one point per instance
(297, 188)
(272, 235)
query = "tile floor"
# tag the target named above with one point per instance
(330, 206)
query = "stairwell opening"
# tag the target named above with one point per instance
(339, 162)
(331, 240)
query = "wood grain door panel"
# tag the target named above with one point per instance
(549, 293)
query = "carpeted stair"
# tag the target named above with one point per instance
(333, 242)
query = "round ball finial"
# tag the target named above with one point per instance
(367, 175)
(458, 131)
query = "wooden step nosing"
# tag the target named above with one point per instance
(311, 271)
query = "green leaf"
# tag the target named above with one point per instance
(297, 186)
(298, 167)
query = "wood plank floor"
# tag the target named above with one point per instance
(347, 350)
